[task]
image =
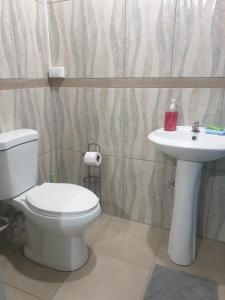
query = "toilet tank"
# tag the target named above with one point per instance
(18, 162)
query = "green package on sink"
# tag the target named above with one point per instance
(215, 127)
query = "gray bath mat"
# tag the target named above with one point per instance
(168, 284)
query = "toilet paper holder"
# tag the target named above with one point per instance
(93, 180)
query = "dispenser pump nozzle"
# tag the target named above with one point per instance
(173, 104)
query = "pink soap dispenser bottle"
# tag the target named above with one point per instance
(171, 117)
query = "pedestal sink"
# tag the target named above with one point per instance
(191, 151)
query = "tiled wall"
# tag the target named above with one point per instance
(32, 108)
(138, 38)
(137, 181)
(22, 39)
(117, 39)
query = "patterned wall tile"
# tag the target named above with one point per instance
(144, 112)
(216, 218)
(33, 109)
(104, 34)
(47, 166)
(69, 112)
(105, 108)
(143, 191)
(112, 186)
(198, 104)
(8, 58)
(70, 166)
(30, 38)
(204, 201)
(199, 39)
(149, 37)
(66, 36)
(168, 191)
(220, 163)
(6, 110)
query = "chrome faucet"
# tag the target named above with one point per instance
(195, 127)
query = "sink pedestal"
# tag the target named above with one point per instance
(182, 240)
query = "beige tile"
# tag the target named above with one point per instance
(143, 191)
(32, 278)
(221, 292)
(104, 277)
(66, 36)
(6, 112)
(13, 293)
(70, 128)
(216, 220)
(104, 35)
(47, 166)
(70, 166)
(128, 240)
(33, 109)
(105, 119)
(144, 112)
(149, 37)
(29, 31)
(202, 104)
(97, 228)
(168, 191)
(112, 185)
(199, 42)
(8, 57)
(209, 263)
(12, 247)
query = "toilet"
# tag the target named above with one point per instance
(56, 214)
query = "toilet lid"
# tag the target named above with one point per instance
(57, 199)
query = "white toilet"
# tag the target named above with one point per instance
(56, 213)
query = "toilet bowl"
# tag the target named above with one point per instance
(57, 214)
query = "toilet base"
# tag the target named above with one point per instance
(58, 243)
(60, 253)
(31, 256)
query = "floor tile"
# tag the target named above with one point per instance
(12, 247)
(221, 292)
(97, 228)
(209, 263)
(104, 277)
(128, 240)
(32, 278)
(13, 293)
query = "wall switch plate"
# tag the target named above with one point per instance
(56, 72)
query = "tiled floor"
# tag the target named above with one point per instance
(122, 256)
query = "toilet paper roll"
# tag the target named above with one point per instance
(93, 158)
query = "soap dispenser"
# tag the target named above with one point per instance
(171, 117)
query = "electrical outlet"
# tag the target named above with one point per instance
(56, 72)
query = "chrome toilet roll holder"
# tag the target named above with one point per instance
(93, 180)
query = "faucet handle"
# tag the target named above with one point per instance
(196, 123)
(195, 126)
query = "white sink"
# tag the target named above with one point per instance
(180, 145)
(191, 155)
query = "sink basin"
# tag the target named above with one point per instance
(180, 145)
(191, 151)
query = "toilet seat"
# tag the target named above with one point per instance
(61, 200)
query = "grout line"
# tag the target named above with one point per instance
(102, 231)
(47, 34)
(174, 27)
(125, 36)
(121, 259)
(15, 39)
(22, 290)
(83, 36)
